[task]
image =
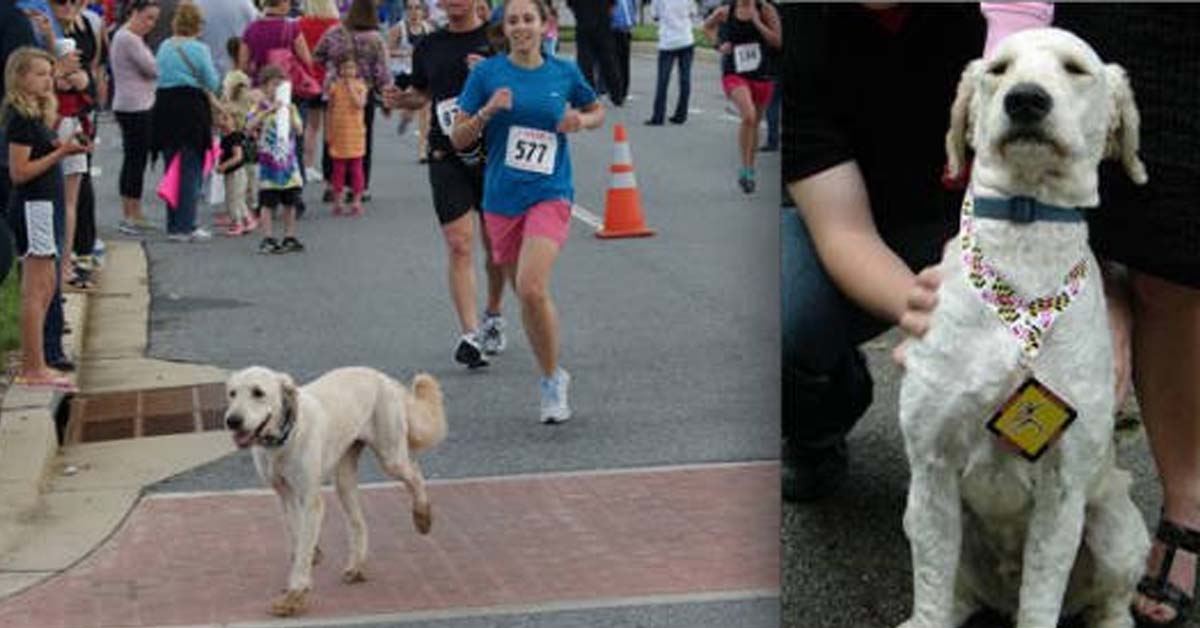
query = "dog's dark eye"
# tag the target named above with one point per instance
(257, 393)
(1073, 68)
(232, 394)
(998, 68)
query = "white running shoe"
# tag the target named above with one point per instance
(554, 397)
(313, 175)
(468, 351)
(491, 335)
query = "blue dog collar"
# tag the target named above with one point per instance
(1023, 210)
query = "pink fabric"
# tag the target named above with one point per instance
(548, 219)
(168, 188)
(357, 179)
(1006, 18)
(760, 91)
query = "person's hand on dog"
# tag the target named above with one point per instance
(922, 298)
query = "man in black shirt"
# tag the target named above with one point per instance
(866, 102)
(440, 66)
(595, 44)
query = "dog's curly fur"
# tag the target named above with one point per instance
(987, 527)
(333, 418)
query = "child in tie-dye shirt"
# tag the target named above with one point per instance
(279, 179)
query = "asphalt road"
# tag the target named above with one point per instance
(672, 341)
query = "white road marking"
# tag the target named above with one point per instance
(586, 217)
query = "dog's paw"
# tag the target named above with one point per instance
(423, 518)
(317, 556)
(289, 604)
(353, 575)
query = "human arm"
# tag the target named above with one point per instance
(712, 23)
(468, 128)
(300, 48)
(396, 98)
(767, 23)
(22, 169)
(590, 116)
(837, 213)
(234, 157)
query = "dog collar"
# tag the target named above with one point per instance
(1024, 210)
(1029, 320)
(285, 430)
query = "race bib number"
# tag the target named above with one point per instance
(446, 111)
(747, 57)
(531, 150)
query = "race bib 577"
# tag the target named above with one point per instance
(531, 150)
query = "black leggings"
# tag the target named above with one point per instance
(135, 138)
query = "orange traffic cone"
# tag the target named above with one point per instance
(623, 206)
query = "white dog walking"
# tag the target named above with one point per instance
(1007, 402)
(301, 435)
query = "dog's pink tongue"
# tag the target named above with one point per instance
(243, 439)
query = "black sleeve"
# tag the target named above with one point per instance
(420, 76)
(15, 32)
(812, 137)
(21, 130)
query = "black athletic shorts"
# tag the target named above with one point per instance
(457, 187)
(270, 199)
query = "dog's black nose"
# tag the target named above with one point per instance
(234, 422)
(1027, 103)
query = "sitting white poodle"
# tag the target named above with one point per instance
(1007, 402)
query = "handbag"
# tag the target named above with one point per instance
(304, 85)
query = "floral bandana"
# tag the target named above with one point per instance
(1029, 320)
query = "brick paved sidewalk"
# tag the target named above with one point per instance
(499, 542)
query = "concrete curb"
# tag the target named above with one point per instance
(60, 503)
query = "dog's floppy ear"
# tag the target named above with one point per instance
(1124, 124)
(288, 387)
(962, 120)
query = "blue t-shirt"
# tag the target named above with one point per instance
(523, 175)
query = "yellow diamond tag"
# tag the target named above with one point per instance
(1032, 418)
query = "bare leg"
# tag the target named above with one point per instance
(538, 314)
(495, 274)
(460, 236)
(289, 221)
(71, 185)
(1166, 354)
(37, 288)
(748, 130)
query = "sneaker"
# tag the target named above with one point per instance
(313, 175)
(144, 223)
(468, 352)
(746, 181)
(491, 334)
(327, 196)
(199, 234)
(236, 229)
(290, 245)
(554, 397)
(129, 228)
(179, 237)
(249, 225)
(678, 119)
(268, 246)
(654, 122)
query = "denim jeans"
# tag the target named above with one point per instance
(182, 219)
(772, 115)
(826, 386)
(666, 58)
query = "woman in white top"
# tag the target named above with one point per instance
(676, 44)
(135, 77)
(402, 39)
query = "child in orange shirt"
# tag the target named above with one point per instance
(346, 132)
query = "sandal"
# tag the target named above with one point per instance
(1157, 588)
(54, 382)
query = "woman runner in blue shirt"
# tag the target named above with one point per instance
(524, 104)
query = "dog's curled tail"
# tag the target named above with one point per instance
(427, 416)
